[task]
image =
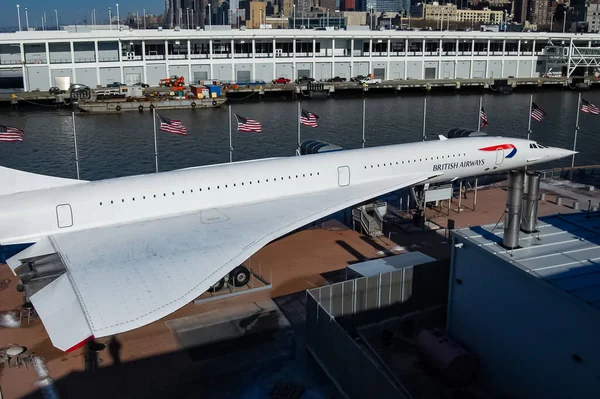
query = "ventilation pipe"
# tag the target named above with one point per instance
(530, 202)
(514, 199)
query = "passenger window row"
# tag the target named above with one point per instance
(267, 180)
(417, 160)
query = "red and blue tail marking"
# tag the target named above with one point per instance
(502, 147)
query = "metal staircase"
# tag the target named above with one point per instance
(370, 217)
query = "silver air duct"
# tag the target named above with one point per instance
(530, 202)
(514, 198)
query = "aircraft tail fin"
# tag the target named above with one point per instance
(14, 181)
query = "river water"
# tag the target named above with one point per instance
(122, 145)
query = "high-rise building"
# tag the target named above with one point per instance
(286, 7)
(541, 12)
(520, 10)
(257, 12)
(303, 7)
(328, 5)
(348, 5)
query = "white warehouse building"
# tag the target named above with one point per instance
(98, 57)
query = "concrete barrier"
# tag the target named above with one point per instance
(558, 200)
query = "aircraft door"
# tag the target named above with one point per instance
(499, 156)
(64, 215)
(343, 176)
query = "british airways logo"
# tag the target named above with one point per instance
(511, 149)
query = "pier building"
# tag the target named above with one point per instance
(99, 57)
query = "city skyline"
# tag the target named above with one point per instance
(71, 11)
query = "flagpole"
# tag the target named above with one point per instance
(575, 138)
(529, 123)
(299, 111)
(479, 114)
(424, 116)
(230, 143)
(363, 121)
(75, 141)
(155, 144)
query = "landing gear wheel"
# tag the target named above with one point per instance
(239, 276)
(217, 286)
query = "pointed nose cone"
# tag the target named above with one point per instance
(554, 153)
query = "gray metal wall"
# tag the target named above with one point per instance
(524, 69)
(510, 69)
(179, 70)
(381, 67)
(263, 71)
(447, 70)
(414, 70)
(463, 69)
(200, 72)
(38, 78)
(322, 71)
(222, 72)
(360, 68)
(479, 69)
(56, 73)
(155, 73)
(525, 331)
(495, 69)
(347, 364)
(304, 66)
(342, 69)
(86, 76)
(109, 75)
(284, 70)
(397, 70)
(133, 74)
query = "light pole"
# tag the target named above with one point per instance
(193, 24)
(144, 18)
(294, 21)
(187, 16)
(565, 19)
(118, 18)
(110, 17)
(209, 18)
(56, 15)
(19, 16)
(44, 21)
(26, 19)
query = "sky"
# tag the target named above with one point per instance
(70, 11)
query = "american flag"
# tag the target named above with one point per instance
(248, 125)
(589, 108)
(172, 126)
(483, 116)
(309, 119)
(8, 133)
(537, 113)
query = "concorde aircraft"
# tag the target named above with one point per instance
(129, 251)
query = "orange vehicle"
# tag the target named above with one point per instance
(173, 81)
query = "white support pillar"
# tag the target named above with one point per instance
(487, 61)
(423, 59)
(144, 62)
(533, 59)
(405, 59)
(370, 56)
(167, 58)
(73, 72)
(24, 69)
(518, 57)
(294, 77)
(314, 63)
(51, 83)
(274, 59)
(472, 59)
(351, 58)
(439, 67)
(253, 56)
(503, 57)
(389, 52)
(333, 58)
(189, 60)
(211, 70)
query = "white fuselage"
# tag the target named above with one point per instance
(29, 216)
